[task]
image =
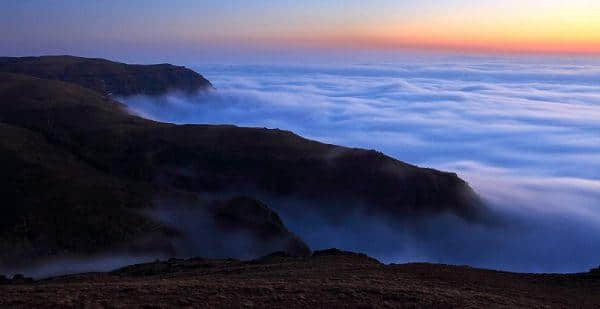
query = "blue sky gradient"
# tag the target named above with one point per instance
(151, 31)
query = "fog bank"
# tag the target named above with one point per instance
(524, 134)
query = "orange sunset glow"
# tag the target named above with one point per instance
(510, 26)
(552, 28)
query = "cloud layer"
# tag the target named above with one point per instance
(526, 135)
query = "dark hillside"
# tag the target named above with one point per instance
(224, 158)
(78, 168)
(108, 77)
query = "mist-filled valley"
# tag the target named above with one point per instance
(300, 154)
(523, 133)
(165, 175)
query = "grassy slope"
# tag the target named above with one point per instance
(107, 76)
(328, 279)
(83, 161)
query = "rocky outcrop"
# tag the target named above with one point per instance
(249, 216)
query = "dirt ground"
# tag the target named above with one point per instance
(328, 279)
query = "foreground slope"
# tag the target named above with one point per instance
(80, 169)
(328, 279)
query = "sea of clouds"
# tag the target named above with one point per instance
(524, 133)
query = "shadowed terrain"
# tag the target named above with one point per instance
(79, 168)
(108, 77)
(329, 278)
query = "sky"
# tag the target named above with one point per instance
(182, 29)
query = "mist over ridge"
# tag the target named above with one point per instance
(525, 136)
(300, 154)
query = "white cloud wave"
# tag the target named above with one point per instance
(524, 134)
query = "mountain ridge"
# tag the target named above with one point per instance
(94, 161)
(109, 77)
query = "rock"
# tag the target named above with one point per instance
(21, 279)
(255, 218)
(331, 251)
(346, 255)
(275, 257)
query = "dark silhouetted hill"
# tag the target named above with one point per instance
(108, 77)
(79, 173)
